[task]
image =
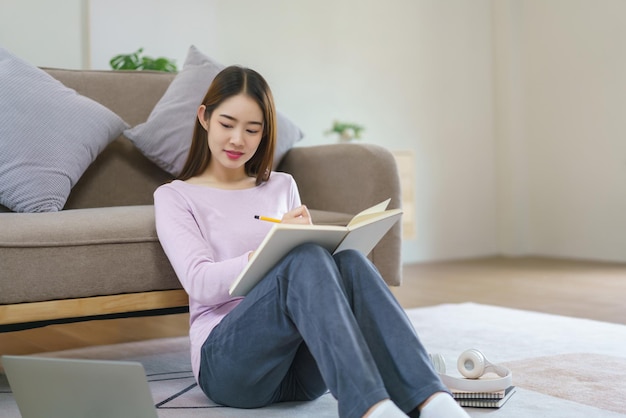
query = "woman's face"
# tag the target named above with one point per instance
(235, 130)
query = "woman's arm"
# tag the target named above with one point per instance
(205, 280)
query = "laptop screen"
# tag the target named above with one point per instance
(67, 388)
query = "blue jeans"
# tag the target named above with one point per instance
(317, 321)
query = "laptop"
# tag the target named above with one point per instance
(67, 388)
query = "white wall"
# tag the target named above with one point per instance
(561, 130)
(576, 107)
(161, 27)
(45, 33)
(513, 217)
(512, 107)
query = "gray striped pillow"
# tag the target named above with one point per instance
(49, 135)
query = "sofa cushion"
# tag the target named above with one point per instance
(49, 135)
(81, 253)
(165, 137)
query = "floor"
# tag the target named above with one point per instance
(584, 289)
(567, 287)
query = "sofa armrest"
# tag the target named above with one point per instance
(348, 178)
(343, 177)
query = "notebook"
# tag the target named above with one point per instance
(67, 388)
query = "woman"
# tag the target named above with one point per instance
(316, 321)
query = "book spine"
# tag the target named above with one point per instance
(480, 403)
(478, 395)
(487, 403)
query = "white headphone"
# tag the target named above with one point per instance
(472, 364)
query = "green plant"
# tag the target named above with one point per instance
(346, 131)
(137, 61)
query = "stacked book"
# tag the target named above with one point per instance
(483, 399)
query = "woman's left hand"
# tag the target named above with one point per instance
(299, 215)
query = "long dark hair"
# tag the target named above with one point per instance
(230, 82)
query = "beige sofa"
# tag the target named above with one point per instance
(100, 256)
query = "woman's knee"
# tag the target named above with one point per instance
(308, 265)
(315, 253)
(310, 251)
(350, 256)
(310, 257)
(352, 260)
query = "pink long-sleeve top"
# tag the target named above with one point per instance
(207, 234)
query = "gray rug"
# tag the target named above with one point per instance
(563, 367)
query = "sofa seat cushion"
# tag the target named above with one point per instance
(81, 253)
(88, 252)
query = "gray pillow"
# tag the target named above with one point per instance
(165, 137)
(49, 135)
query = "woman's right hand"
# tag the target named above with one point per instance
(299, 215)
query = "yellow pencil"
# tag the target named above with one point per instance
(268, 219)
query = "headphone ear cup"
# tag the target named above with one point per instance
(471, 364)
(439, 362)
